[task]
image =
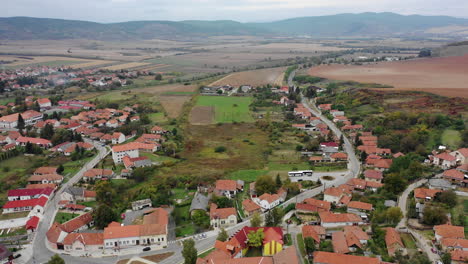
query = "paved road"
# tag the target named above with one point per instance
(421, 241)
(40, 252)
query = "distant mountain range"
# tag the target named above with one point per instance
(341, 25)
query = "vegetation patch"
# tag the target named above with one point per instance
(228, 109)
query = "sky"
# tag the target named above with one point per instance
(108, 11)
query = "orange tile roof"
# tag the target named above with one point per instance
(460, 255)
(392, 240)
(345, 200)
(339, 155)
(157, 216)
(336, 258)
(45, 170)
(329, 217)
(271, 234)
(77, 222)
(446, 156)
(49, 177)
(270, 198)
(286, 256)
(449, 231)
(384, 163)
(41, 186)
(339, 242)
(423, 193)
(114, 231)
(319, 203)
(463, 152)
(250, 206)
(229, 185)
(222, 213)
(313, 231)
(360, 205)
(357, 232)
(454, 174)
(373, 174)
(455, 242)
(92, 173)
(133, 146)
(85, 238)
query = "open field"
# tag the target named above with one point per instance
(31, 61)
(444, 76)
(129, 65)
(202, 115)
(255, 78)
(173, 104)
(226, 109)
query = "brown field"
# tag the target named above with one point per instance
(202, 115)
(126, 66)
(19, 61)
(173, 104)
(446, 76)
(254, 78)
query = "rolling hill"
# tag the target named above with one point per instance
(347, 25)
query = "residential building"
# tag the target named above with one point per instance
(97, 174)
(36, 205)
(117, 138)
(461, 155)
(444, 160)
(267, 201)
(28, 194)
(75, 194)
(30, 117)
(222, 217)
(332, 220)
(43, 143)
(393, 241)
(228, 188)
(139, 162)
(424, 194)
(321, 257)
(336, 194)
(131, 150)
(360, 208)
(456, 176)
(316, 232)
(83, 242)
(141, 204)
(373, 175)
(448, 231)
(45, 178)
(250, 207)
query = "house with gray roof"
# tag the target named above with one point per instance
(199, 202)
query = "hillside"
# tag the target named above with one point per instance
(347, 25)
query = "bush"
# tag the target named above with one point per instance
(220, 149)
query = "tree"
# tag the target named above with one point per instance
(103, 216)
(20, 124)
(309, 244)
(47, 132)
(56, 259)
(447, 197)
(393, 215)
(255, 238)
(446, 258)
(394, 183)
(434, 215)
(265, 184)
(256, 220)
(189, 252)
(278, 181)
(201, 219)
(222, 201)
(222, 235)
(274, 217)
(158, 77)
(60, 169)
(105, 193)
(326, 245)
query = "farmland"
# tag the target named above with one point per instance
(227, 109)
(443, 76)
(52, 61)
(255, 78)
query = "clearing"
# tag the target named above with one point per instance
(228, 109)
(451, 138)
(444, 76)
(173, 104)
(255, 78)
(202, 115)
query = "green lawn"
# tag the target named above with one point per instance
(72, 167)
(178, 93)
(91, 204)
(157, 117)
(13, 215)
(451, 138)
(275, 166)
(14, 232)
(204, 254)
(62, 217)
(247, 175)
(301, 245)
(228, 109)
(157, 158)
(408, 241)
(179, 193)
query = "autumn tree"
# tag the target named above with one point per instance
(265, 184)
(222, 235)
(256, 220)
(255, 238)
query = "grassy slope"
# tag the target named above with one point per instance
(228, 109)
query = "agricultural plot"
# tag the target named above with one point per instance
(273, 76)
(173, 104)
(123, 66)
(226, 109)
(443, 76)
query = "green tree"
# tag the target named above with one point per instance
(105, 193)
(394, 215)
(20, 124)
(222, 201)
(256, 220)
(446, 258)
(189, 252)
(447, 197)
(326, 245)
(60, 169)
(222, 235)
(47, 132)
(255, 238)
(56, 259)
(309, 244)
(274, 216)
(278, 181)
(158, 77)
(434, 215)
(103, 216)
(265, 184)
(201, 219)
(394, 183)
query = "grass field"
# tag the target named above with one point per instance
(157, 117)
(408, 241)
(228, 109)
(451, 138)
(62, 217)
(247, 175)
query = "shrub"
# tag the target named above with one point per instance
(220, 149)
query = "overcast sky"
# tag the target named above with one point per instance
(240, 10)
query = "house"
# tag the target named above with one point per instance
(131, 150)
(336, 194)
(393, 241)
(459, 256)
(448, 231)
(153, 231)
(228, 188)
(373, 175)
(31, 224)
(222, 217)
(28, 194)
(36, 205)
(316, 232)
(349, 240)
(444, 160)
(321, 257)
(45, 178)
(30, 117)
(359, 208)
(311, 205)
(424, 194)
(141, 204)
(383, 164)
(158, 130)
(57, 232)
(267, 201)
(456, 177)
(360, 185)
(250, 207)
(117, 138)
(339, 156)
(83, 242)
(43, 143)
(339, 243)
(97, 174)
(139, 162)
(75, 194)
(44, 103)
(199, 203)
(441, 184)
(332, 220)
(325, 107)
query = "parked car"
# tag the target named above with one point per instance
(146, 249)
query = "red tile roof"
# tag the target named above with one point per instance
(454, 174)
(313, 231)
(339, 242)
(85, 238)
(373, 174)
(446, 156)
(226, 185)
(250, 206)
(360, 205)
(449, 231)
(328, 217)
(45, 170)
(77, 222)
(37, 141)
(339, 155)
(32, 223)
(30, 192)
(336, 258)
(392, 240)
(455, 242)
(133, 146)
(41, 201)
(423, 193)
(221, 213)
(270, 198)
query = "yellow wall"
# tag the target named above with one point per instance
(272, 248)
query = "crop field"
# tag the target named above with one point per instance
(31, 61)
(226, 109)
(273, 76)
(444, 76)
(129, 65)
(173, 104)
